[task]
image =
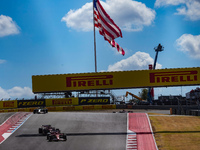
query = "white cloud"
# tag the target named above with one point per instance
(7, 26)
(2, 61)
(138, 61)
(80, 19)
(4, 93)
(160, 3)
(189, 44)
(191, 11)
(16, 92)
(189, 8)
(127, 14)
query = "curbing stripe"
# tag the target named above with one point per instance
(152, 131)
(14, 127)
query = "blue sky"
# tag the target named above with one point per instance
(39, 37)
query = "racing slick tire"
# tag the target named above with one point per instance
(44, 132)
(40, 130)
(65, 137)
(44, 111)
(50, 138)
(48, 135)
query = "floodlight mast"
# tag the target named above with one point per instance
(159, 48)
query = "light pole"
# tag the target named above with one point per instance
(157, 49)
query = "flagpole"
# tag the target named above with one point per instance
(95, 56)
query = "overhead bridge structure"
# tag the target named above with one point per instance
(116, 80)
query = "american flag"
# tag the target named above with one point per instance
(106, 25)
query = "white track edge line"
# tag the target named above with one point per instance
(127, 121)
(152, 131)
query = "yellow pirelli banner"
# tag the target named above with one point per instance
(62, 101)
(8, 104)
(116, 80)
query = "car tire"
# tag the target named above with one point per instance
(45, 132)
(65, 137)
(50, 138)
(40, 130)
(48, 135)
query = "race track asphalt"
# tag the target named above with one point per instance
(85, 131)
(4, 116)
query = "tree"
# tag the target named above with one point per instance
(144, 94)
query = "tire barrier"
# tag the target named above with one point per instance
(185, 111)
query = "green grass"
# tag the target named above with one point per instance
(176, 132)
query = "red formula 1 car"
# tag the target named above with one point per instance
(51, 132)
(44, 129)
(56, 136)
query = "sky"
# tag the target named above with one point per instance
(42, 37)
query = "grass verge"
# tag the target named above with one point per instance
(176, 132)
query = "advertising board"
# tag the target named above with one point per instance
(61, 101)
(31, 103)
(94, 100)
(116, 80)
(8, 104)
